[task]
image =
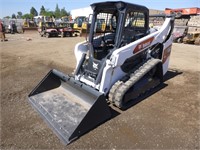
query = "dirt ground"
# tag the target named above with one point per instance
(168, 119)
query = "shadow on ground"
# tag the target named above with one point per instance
(116, 112)
(171, 74)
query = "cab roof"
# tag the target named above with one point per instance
(119, 5)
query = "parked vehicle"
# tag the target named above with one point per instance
(192, 38)
(48, 29)
(65, 29)
(179, 33)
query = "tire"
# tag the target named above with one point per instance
(68, 34)
(180, 40)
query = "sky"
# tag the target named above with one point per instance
(8, 7)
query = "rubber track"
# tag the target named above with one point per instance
(120, 88)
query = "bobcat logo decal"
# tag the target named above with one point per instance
(95, 66)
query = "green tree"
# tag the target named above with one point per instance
(63, 12)
(42, 10)
(48, 13)
(57, 11)
(13, 16)
(33, 11)
(27, 16)
(19, 15)
(8, 17)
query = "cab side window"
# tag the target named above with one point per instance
(134, 26)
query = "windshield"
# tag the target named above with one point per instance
(104, 32)
(80, 20)
(134, 27)
(189, 35)
(50, 24)
(105, 23)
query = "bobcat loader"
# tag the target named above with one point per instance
(114, 66)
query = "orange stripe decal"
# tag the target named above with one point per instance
(143, 45)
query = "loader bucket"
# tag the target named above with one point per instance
(68, 106)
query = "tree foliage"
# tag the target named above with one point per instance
(27, 16)
(19, 15)
(13, 16)
(63, 12)
(48, 13)
(8, 17)
(58, 13)
(42, 10)
(33, 11)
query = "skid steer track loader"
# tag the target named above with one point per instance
(114, 65)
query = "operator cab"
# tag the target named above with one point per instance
(114, 25)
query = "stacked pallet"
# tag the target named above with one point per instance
(155, 12)
(194, 21)
(193, 29)
(157, 21)
(181, 22)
